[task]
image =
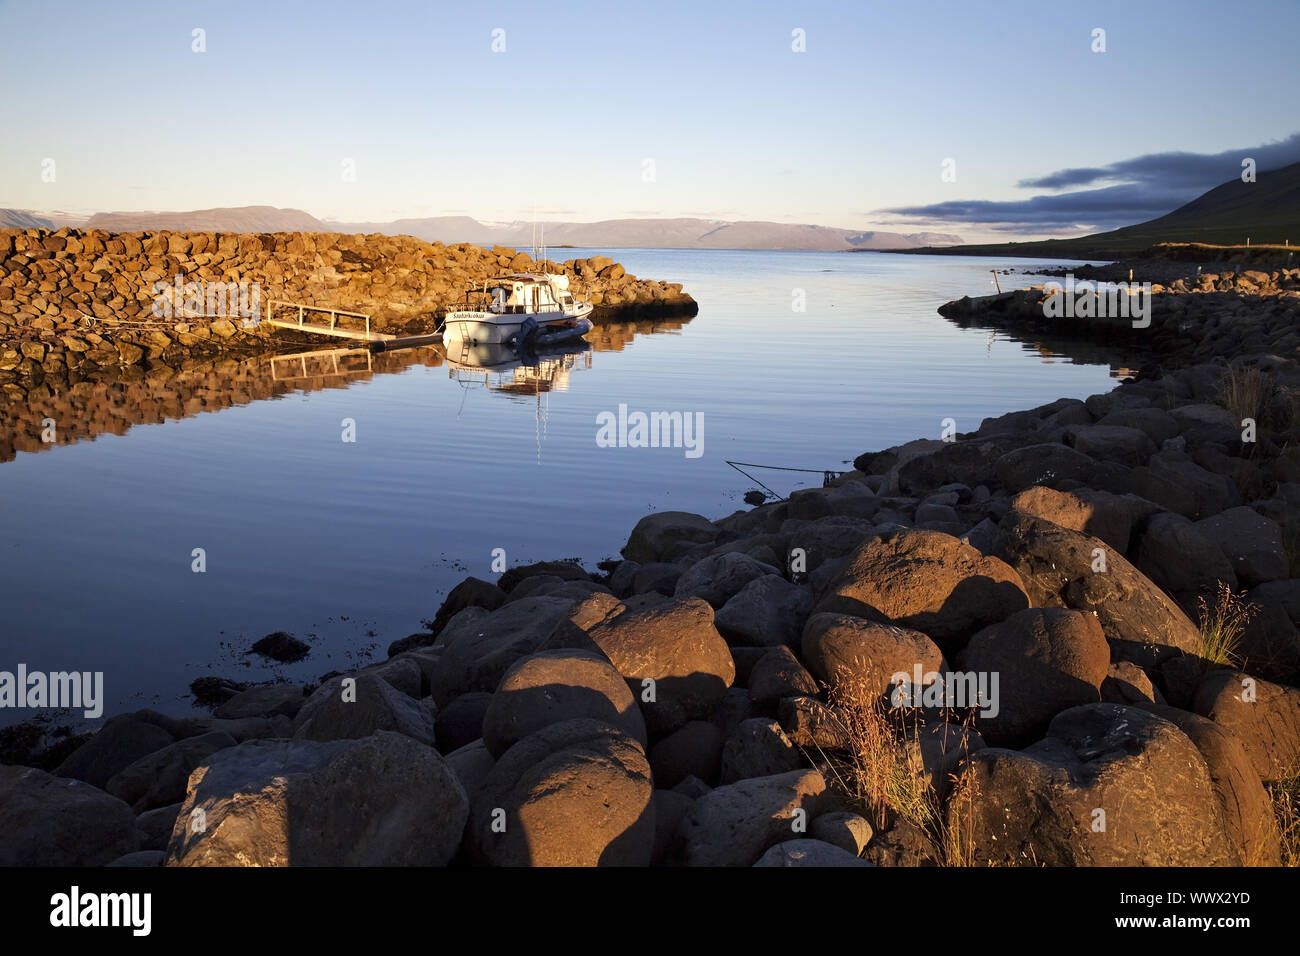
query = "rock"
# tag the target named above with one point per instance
(1142, 623)
(693, 750)
(657, 576)
(1246, 805)
(809, 853)
(860, 655)
(211, 691)
(676, 646)
(929, 581)
(1264, 717)
(54, 821)
(1046, 464)
(1039, 806)
(811, 724)
(281, 647)
(1173, 482)
(565, 570)
(757, 748)
(472, 763)
(160, 778)
(1128, 446)
(670, 807)
(664, 535)
(1270, 644)
(816, 542)
(404, 674)
(264, 701)
(349, 708)
(1175, 554)
(461, 721)
(769, 610)
(1126, 683)
(385, 800)
(478, 646)
(1098, 513)
(472, 592)
(1251, 542)
(576, 793)
(778, 674)
(1048, 659)
(155, 826)
(1158, 425)
(719, 577)
(554, 686)
(848, 831)
(119, 743)
(733, 825)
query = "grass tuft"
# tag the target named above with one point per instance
(1222, 621)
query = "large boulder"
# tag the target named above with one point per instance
(863, 656)
(777, 674)
(55, 821)
(809, 853)
(1062, 568)
(666, 535)
(1047, 660)
(929, 581)
(268, 700)
(1264, 716)
(386, 800)
(118, 744)
(1128, 446)
(1109, 786)
(478, 646)
(693, 750)
(461, 721)
(767, 611)
(1250, 542)
(160, 778)
(733, 825)
(719, 577)
(1045, 464)
(347, 708)
(757, 748)
(1098, 513)
(673, 658)
(1246, 805)
(554, 686)
(576, 793)
(1175, 554)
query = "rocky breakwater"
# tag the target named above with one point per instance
(74, 301)
(1193, 318)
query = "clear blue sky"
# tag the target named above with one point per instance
(738, 125)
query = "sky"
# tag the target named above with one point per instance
(588, 111)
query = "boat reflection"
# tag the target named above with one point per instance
(499, 368)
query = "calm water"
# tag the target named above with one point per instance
(351, 544)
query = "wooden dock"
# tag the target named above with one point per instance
(299, 322)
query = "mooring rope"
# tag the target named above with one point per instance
(827, 474)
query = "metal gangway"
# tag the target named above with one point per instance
(302, 325)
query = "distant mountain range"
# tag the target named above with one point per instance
(610, 233)
(1265, 212)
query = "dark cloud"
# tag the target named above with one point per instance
(1139, 189)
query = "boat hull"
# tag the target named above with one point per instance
(491, 328)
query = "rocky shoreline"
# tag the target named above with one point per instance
(1118, 576)
(74, 302)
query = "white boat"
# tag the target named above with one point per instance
(521, 309)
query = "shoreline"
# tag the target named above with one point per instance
(959, 554)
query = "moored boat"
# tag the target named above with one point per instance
(520, 308)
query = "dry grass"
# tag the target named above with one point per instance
(1285, 794)
(1222, 622)
(882, 772)
(1245, 392)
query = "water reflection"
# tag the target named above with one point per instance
(66, 410)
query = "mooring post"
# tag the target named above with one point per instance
(997, 285)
